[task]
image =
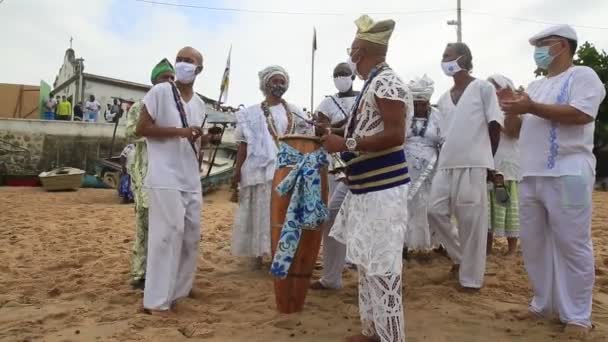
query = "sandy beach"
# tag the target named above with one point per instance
(65, 271)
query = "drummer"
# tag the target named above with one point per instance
(372, 220)
(334, 112)
(258, 129)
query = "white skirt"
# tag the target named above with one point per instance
(373, 228)
(251, 231)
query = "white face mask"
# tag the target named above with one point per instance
(451, 68)
(343, 83)
(185, 72)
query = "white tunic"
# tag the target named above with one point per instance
(172, 164)
(467, 141)
(251, 231)
(336, 108)
(552, 149)
(506, 160)
(373, 225)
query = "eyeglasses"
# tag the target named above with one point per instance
(349, 51)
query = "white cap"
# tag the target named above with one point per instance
(565, 31)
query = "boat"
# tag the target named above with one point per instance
(61, 179)
(217, 171)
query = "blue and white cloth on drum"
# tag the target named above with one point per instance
(306, 209)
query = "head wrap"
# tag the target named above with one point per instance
(422, 88)
(565, 31)
(162, 67)
(266, 74)
(376, 32)
(502, 81)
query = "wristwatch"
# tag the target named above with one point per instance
(351, 144)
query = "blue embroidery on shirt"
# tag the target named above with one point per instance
(562, 98)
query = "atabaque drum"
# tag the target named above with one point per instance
(291, 292)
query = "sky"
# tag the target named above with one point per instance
(125, 38)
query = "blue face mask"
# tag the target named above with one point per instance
(542, 57)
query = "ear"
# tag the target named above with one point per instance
(198, 69)
(353, 77)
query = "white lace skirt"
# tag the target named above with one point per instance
(373, 228)
(251, 232)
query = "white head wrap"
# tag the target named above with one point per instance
(266, 74)
(502, 81)
(422, 88)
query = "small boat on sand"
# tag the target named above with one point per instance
(61, 179)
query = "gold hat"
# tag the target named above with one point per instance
(376, 32)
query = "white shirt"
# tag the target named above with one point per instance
(467, 140)
(506, 160)
(552, 149)
(336, 112)
(129, 153)
(92, 106)
(252, 129)
(172, 164)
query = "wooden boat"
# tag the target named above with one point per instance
(63, 178)
(290, 292)
(218, 171)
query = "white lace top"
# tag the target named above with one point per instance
(386, 85)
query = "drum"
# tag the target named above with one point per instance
(291, 292)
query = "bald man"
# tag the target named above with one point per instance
(171, 120)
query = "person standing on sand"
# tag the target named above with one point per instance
(171, 120)
(556, 119)
(334, 112)
(162, 72)
(460, 185)
(373, 217)
(504, 210)
(257, 132)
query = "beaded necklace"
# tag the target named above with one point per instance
(271, 124)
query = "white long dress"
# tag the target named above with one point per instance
(421, 149)
(251, 231)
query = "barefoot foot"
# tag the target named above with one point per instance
(577, 331)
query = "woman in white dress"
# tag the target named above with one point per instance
(258, 129)
(423, 139)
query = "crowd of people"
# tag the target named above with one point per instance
(60, 108)
(490, 160)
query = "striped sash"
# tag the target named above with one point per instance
(376, 171)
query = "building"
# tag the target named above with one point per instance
(19, 101)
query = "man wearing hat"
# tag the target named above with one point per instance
(556, 115)
(162, 72)
(373, 217)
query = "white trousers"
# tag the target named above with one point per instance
(555, 217)
(462, 193)
(334, 252)
(381, 307)
(173, 240)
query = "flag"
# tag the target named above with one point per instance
(225, 80)
(314, 40)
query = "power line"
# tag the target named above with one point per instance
(254, 11)
(529, 20)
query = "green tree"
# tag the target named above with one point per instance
(588, 55)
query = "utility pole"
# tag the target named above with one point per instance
(457, 22)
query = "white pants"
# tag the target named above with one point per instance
(462, 193)
(555, 217)
(334, 252)
(381, 307)
(173, 240)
